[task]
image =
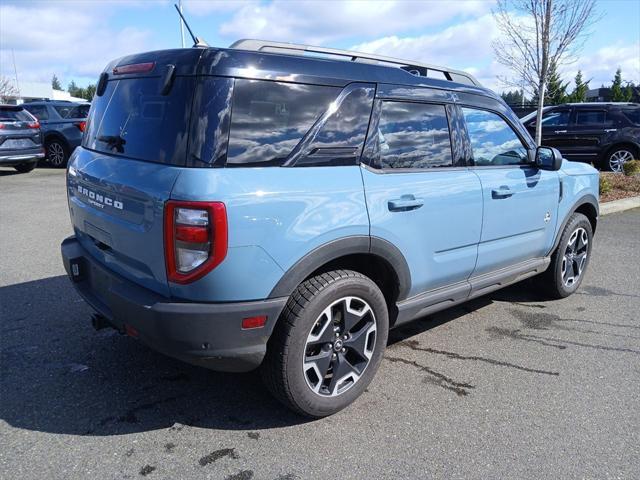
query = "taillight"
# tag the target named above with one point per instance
(1, 125)
(81, 126)
(35, 124)
(195, 238)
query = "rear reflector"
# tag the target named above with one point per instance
(129, 330)
(134, 68)
(254, 322)
(195, 239)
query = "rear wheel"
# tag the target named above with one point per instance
(328, 343)
(570, 260)
(57, 152)
(617, 157)
(25, 167)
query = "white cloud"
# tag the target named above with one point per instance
(465, 46)
(70, 42)
(322, 22)
(600, 66)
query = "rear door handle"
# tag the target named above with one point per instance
(405, 203)
(560, 131)
(610, 130)
(502, 192)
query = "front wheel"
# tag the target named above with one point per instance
(570, 260)
(328, 343)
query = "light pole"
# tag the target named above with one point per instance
(181, 23)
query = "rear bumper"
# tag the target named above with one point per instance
(205, 334)
(10, 158)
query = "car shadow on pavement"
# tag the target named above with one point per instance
(58, 375)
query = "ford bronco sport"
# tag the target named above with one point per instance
(281, 207)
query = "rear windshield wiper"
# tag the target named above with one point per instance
(114, 142)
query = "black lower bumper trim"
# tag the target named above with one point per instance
(205, 334)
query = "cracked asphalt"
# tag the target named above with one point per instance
(507, 386)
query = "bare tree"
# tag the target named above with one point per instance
(537, 34)
(7, 89)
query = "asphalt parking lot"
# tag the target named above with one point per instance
(507, 386)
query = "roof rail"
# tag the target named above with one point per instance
(414, 68)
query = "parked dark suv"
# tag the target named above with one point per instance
(605, 134)
(20, 139)
(63, 124)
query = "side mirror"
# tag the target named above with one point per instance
(548, 158)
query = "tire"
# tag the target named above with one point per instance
(304, 343)
(25, 167)
(567, 268)
(57, 152)
(616, 157)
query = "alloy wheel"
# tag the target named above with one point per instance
(339, 346)
(619, 158)
(575, 257)
(55, 154)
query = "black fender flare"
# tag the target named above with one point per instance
(587, 199)
(356, 244)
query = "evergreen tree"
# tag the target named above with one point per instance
(579, 93)
(89, 92)
(556, 92)
(617, 92)
(73, 89)
(512, 97)
(55, 83)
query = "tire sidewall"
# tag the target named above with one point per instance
(308, 401)
(578, 220)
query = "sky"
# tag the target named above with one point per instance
(75, 39)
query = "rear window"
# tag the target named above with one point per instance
(633, 114)
(14, 114)
(132, 119)
(72, 111)
(270, 118)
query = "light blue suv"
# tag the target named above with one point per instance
(259, 206)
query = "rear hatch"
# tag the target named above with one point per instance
(19, 130)
(133, 149)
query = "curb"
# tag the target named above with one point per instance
(619, 205)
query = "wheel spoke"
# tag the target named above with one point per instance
(360, 340)
(322, 331)
(580, 260)
(320, 364)
(342, 371)
(352, 313)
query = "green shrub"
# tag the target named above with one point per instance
(605, 185)
(631, 168)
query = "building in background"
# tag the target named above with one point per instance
(30, 91)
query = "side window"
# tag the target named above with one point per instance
(591, 118)
(269, 119)
(556, 118)
(39, 111)
(493, 141)
(413, 135)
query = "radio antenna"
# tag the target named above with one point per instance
(197, 42)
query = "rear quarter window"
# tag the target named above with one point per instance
(132, 119)
(270, 118)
